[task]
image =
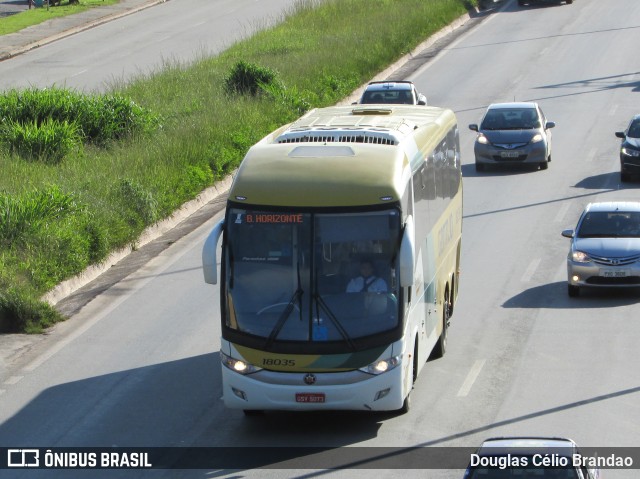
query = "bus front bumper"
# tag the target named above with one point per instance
(353, 390)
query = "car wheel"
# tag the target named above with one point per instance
(624, 176)
(574, 291)
(569, 2)
(479, 167)
(544, 165)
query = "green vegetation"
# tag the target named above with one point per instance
(60, 215)
(34, 16)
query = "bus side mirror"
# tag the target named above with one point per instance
(209, 251)
(407, 254)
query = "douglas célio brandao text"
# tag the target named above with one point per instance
(509, 461)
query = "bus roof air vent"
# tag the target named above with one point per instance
(339, 136)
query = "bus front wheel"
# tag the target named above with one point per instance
(413, 374)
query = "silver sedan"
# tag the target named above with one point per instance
(605, 247)
(513, 133)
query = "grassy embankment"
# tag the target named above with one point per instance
(34, 16)
(188, 130)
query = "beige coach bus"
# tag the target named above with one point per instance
(340, 257)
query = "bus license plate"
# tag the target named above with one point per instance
(615, 274)
(310, 397)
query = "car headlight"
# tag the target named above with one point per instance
(629, 152)
(537, 137)
(580, 257)
(237, 365)
(382, 365)
(482, 139)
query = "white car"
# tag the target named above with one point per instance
(392, 92)
(528, 457)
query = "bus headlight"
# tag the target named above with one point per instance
(237, 365)
(382, 365)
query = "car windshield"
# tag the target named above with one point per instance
(401, 97)
(510, 119)
(523, 473)
(606, 224)
(634, 129)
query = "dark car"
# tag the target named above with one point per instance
(530, 2)
(512, 134)
(528, 458)
(392, 92)
(630, 149)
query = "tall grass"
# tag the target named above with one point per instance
(318, 55)
(96, 119)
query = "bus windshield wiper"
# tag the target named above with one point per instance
(335, 321)
(287, 311)
(284, 316)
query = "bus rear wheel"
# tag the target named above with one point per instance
(441, 345)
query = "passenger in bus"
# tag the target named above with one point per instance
(367, 282)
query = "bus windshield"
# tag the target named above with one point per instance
(311, 277)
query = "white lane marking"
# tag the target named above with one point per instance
(13, 380)
(561, 274)
(592, 154)
(562, 212)
(79, 73)
(613, 110)
(528, 273)
(471, 377)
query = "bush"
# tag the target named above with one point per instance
(19, 214)
(142, 205)
(98, 119)
(49, 142)
(247, 78)
(21, 312)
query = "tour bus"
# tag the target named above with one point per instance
(310, 204)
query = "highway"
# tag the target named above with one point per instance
(139, 365)
(175, 32)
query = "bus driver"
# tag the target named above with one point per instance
(367, 281)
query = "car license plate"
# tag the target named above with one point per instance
(621, 273)
(310, 397)
(509, 154)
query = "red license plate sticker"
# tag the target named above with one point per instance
(310, 397)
